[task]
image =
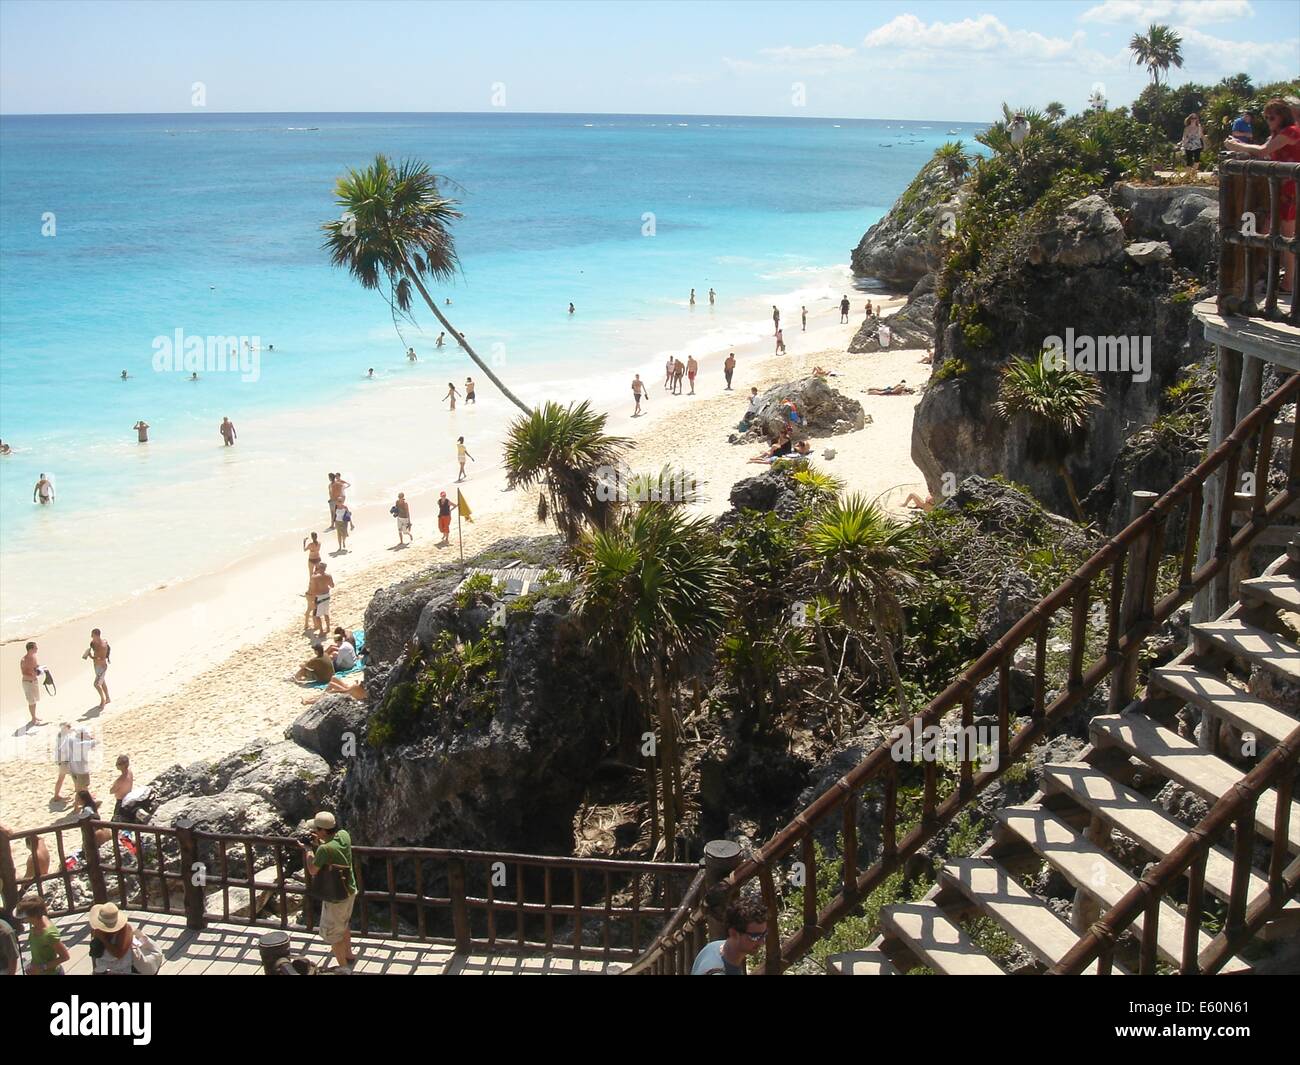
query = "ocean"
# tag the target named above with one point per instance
(116, 232)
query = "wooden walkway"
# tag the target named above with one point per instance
(231, 950)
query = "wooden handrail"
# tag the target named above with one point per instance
(1240, 182)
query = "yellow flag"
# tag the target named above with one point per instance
(462, 508)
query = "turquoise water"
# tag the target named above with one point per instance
(209, 224)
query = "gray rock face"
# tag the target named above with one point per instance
(824, 411)
(907, 243)
(1143, 252)
(911, 326)
(233, 812)
(1086, 233)
(293, 780)
(322, 727)
(1186, 216)
(1016, 597)
(767, 491)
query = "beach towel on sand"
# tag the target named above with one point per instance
(359, 642)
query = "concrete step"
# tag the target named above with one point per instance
(1183, 761)
(1022, 915)
(860, 963)
(1293, 551)
(1249, 643)
(1144, 822)
(1276, 591)
(938, 942)
(1087, 866)
(1208, 691)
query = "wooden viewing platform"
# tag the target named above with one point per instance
(1272, 341)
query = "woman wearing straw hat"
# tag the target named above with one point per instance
(332, 864)
(111, 940)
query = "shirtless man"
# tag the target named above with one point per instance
(123, 785)
(338, 493)
(692, 297)
(692, 368)
(318, 598)
(638, 393)
(803, 315)
(410, 354)
(31, 670)
(44, 490)
(38, 860)
(441, 338)
(776, 320)
(729, 368)
(712, 296)
(141, 431)
(668, 372)
(402, 511)
(469, 391)
(100, 652)
(228, 433)
(844, 309)
(900, 389)
(679, 371)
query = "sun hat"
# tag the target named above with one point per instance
(106, 917)
(324, 821)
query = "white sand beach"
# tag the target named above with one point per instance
(199, 667)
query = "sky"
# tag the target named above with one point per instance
(814, 58)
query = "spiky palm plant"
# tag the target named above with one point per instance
(567, 451)
(653, 590)
(1054, 111)
(861, 559)
(1057, 401)
(955, 161)
(1157, 50)
(393, 233)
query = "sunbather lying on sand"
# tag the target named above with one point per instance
(338, 685)
(819, 372)
(899, 389)
(915, 502)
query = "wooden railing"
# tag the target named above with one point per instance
(479, 901)
(1250, 199)
(1121, 577)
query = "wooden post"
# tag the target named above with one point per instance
(8, 875)
(1123, 680)
(1206, 605)
(196, 915)
(90, 850)
(721, 856)
(459, 908)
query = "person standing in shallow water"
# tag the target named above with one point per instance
(712, 297)
(844, 309)
(692, 297)
(141, 431)
(776, 320)
(228, 433)
(451, 394)
(469, 391)
(803, 317)
(462, 453)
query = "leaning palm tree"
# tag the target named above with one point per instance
(566, 450)
(1056, 400)
(653, 590)
(861, 559)
(392, 235)
(1157, 50)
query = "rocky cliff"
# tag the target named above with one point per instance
(906, 244)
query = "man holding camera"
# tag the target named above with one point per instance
(330, 867)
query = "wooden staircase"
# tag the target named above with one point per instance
(1095, 826)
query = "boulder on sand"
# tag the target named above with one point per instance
(822, 410)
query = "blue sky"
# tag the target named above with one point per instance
(949, 60)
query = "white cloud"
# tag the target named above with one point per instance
(1265, 61)
(1142, 12)
(816, 53)
(985, 34)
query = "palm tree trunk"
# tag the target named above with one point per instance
(887, 646)
(465, 344)
(651, 774)
(1070, 491)
(668, 758)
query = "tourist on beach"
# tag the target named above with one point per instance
(38, 861)
(402, 512)
(570, 311)
(341, 651)
(312, 546)
(776, 319)
(899, 389)
(729, 368)
(62, 754)
(333, 858)
(915, 502)
(1193, 140)
(141, 431)
(441, 337)
(638, 387)
(318, 668)
(469, 391)
(869, 310)
(712, 297)
(228, 433)
(668, 372)
(692, 297)
(780, 343)
(783, 446)
(80, 741)
(444, 518)
(31, 671)
(746, 925)
(1282, 146)
(803, 319)
(342, 526)
(751, 412)
(885, 335)
(100, 652)
(85, 802)
(122, 786)
(318, 597)
(844, 309)
(338, 493)
(43, 945)
(462, 453)
(339, 686)
(451, 394)
(679, 371)
(692, 368)
(44, 491)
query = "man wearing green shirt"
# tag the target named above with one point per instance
(334, 848)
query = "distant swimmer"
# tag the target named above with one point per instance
(410, 354)
(44, 491)
(228, 433)
(712, 296)
(462, 453)
(692, 297)
(638, 393)
(370, 372)
(438, 343)
(123, 375)
(571, 308)
(451, 394)
(194, 376)
(728, 368)
(141, 431)
(844, 309)
(776, 319)
(5, 449)
(803, 314)
(270, 347)
(469, 391)
(447, 302)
